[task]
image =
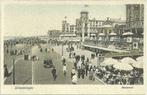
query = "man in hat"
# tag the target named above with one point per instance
(64, 69)
(54, 73)
(73, 72)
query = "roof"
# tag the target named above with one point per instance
(106, 49)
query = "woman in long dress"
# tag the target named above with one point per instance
(74, 79)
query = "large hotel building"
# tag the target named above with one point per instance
(122, 34)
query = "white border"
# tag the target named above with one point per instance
(74, 89)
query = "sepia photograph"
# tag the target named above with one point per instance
(73, 44)
(73, 47)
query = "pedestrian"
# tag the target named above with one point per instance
(64, 69)
(83, 70)
(7, 51)
(87, 59)
(83, 73)
(52, 49)
(70, 55)
(74, 54)
(73, 72)
(75, 63)
(91, 74)
(79, 68)
(54, 73)
(40, 49)
(6, 73)
(79, 64)
(46, 50)
(63, 60)
(74, 79)
(90, 65)
(86, 68)
(79, 73)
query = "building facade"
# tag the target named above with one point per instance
(135, 24)
(53, 34)
(65, 26)
(94, 29)
(135, 18)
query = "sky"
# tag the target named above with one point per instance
(37, 19)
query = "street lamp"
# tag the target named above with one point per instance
(62, 49)
(32, 72)
(98, 57)
(83, 32)
(13, 61)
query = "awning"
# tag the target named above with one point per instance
(101, 34)
(67, 35)
(128, 60)
(127, 33)
(106, 26)
(139, 58)
(112, 34)
(139, 63)
(109, 61)
(122, 66)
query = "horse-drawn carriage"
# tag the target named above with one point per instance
(48, 63)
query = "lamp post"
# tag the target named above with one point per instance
(62, 49)
(83, 32)
(32, 72)
(98, 57)
(13, 62)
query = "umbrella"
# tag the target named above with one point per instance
(139, 63)
(109, 61)
(139, 58)
(122, 66)
(128, 60)
(127, 33)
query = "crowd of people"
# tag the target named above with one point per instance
(107, 74)
(110, 75)
(82, 67)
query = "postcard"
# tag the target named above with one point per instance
(73, 47)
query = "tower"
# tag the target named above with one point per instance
(84, 24)
(135, 18)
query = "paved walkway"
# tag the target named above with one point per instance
(44, 76)
(78, 51)
(28, 72)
